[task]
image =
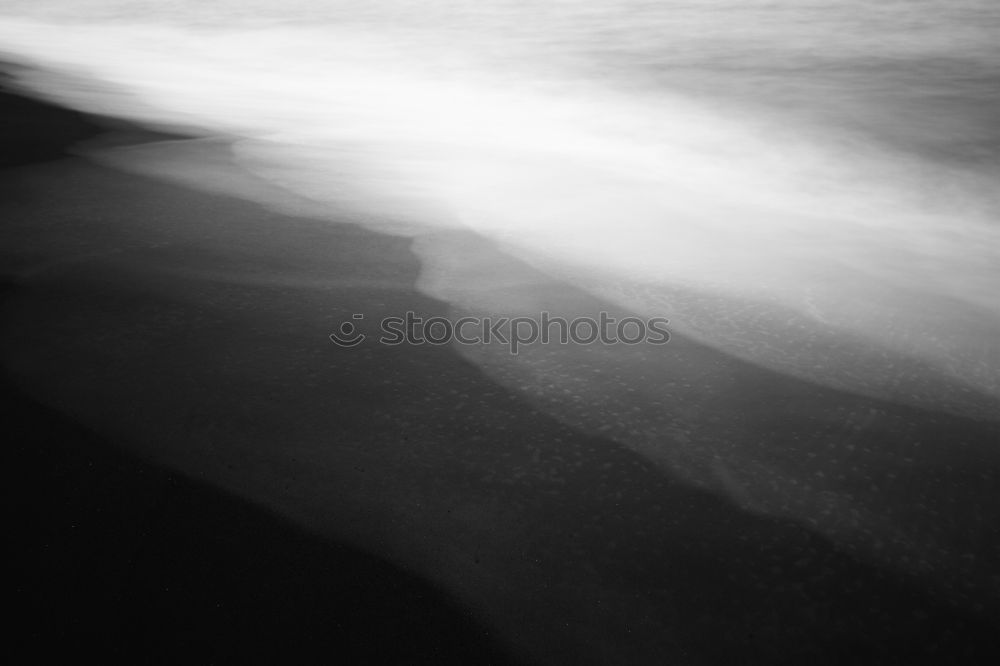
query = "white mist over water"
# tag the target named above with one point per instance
(830, 164)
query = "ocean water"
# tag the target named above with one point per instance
(834, 162)
(808, 186)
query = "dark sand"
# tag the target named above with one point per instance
(125, 561)
(169, 329)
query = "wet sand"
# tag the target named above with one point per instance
(195, 453)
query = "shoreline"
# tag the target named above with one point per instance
(413, 454)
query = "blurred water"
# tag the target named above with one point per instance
(834, 162)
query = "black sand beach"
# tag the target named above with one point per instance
(123, 560)
(201, 476)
